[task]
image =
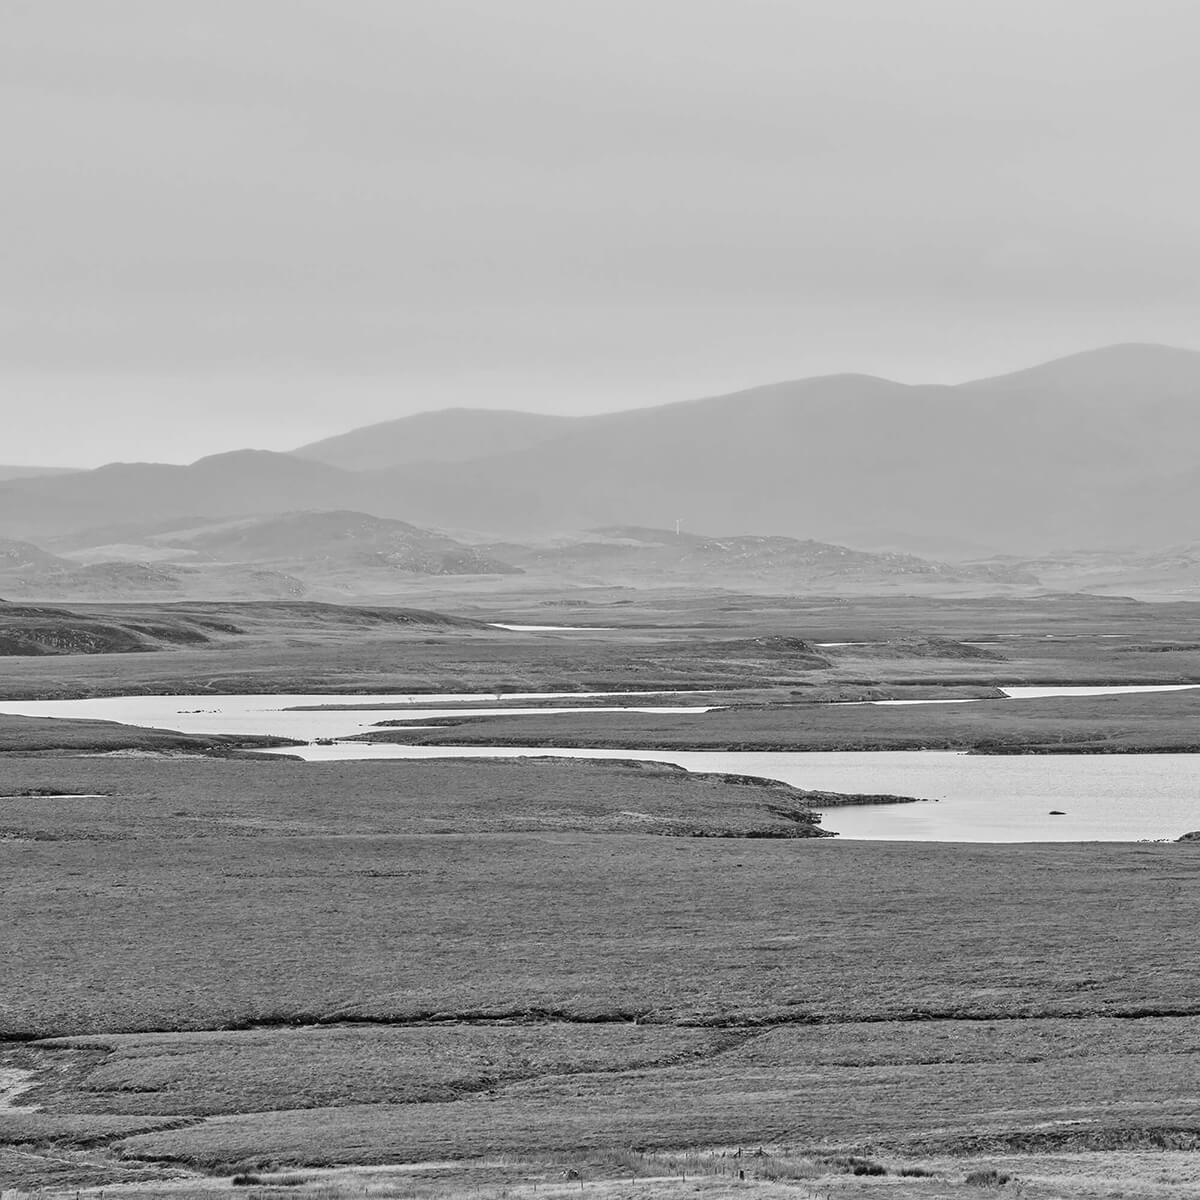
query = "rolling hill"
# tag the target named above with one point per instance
(10, 472)
(639, 557)
(318, 543)
(452, 435)
(233, 484)
(1095, 450)
(266, 557)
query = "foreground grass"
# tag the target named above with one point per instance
(255, 892)
(226, 966)
(771, 1173)
(277, 968)
(410, 1095)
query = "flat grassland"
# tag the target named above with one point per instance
(669, 640)
(1159, 722)
(212, 965)
(241, 965)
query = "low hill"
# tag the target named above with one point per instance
(317, 542)
(451, 436)
(36, 630)
(135, 628)
(337, 554)
(636, 556)
(288, 555)
(18, 557)
(1172, 573)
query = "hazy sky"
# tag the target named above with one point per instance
(257, 222)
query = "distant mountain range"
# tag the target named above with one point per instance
(7, 472)
(1092, 451)
(453, 435)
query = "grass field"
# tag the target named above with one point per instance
(246, 964)
(668, 639)
(52, 735)
(212, 965)
(1163, 722)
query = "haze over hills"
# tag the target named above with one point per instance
(232, 484)
(271, 556)
(348, 555)
(10, 472)
(640, 557)
(1044, 459)
(1095, 450)
(451, 435)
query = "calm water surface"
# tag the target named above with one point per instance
(972, 798)
(300, 716)
(976, 798)
(1056, 690)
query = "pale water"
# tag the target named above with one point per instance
(301, 716)
(552, 628)
(978, 798)
(1051, 691)
(971, 798)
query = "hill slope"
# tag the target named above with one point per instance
(1092, 450)
(243, 481)
(640, 557)
(1077, 452)
(10, 472)
(450, 436)
(310, 542)
(272, 556)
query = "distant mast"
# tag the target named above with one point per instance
(678, 523)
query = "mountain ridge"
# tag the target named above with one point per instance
(1094, 449)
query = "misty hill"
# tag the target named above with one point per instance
(17, 557)
(243, 481)
(316, 541)
(451, 436)
(1073, 453)
(9, 472)
(1095, 450)
(56, 579)
(637, 556)
(286, 557)
(1160, 574)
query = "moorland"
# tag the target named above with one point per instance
(223, 967)
(473, 975)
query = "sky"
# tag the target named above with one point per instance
(261, 222)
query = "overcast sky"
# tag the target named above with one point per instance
(258, 222)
